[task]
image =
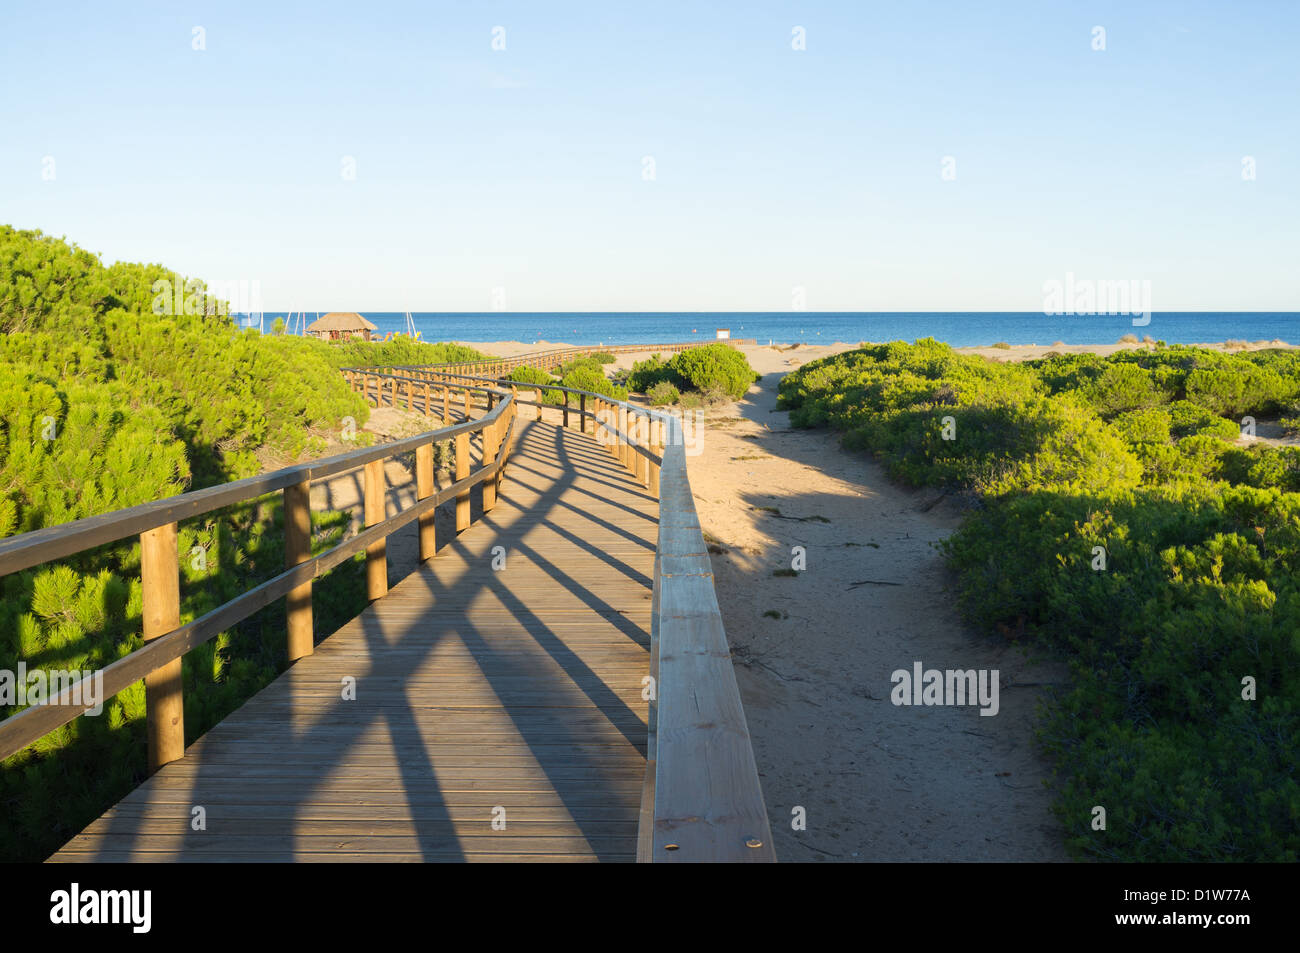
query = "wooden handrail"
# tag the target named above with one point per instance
(702, 800)
(555, 356)
(55, 542)
(165, 648)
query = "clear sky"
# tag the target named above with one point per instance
(523, 169)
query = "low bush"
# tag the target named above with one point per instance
(1129, 457)
(663, 393)
(714, 365)
(527, 374)
(589, 377)
(646, 374)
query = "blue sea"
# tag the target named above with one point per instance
(958, 328)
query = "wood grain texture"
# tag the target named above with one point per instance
(708, 803)
(476, 689)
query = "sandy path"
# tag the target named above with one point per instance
(878, 781)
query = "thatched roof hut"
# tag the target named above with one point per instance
(341, 324)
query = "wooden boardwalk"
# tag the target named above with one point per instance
(511, 695)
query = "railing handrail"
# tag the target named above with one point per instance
(529, 356)
(55, 542)
(702, 799)
(521, 385)
(164, 648)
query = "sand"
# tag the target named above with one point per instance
(814, 653)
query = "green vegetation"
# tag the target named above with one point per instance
(588, 375)
(1120, 525)
(106, 403)
(583, 373)
(527, 374)
(663, 392)
(713, 368)
(398, 350)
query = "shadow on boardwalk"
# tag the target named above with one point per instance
(497, 712)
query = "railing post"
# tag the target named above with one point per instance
(638, 443)
(489, 454)
(656, 447)
(538, 392)
(566, 410)
(446, 406)
(467, 400)
(428, 403)
(424, 490)
(462, 471)
(624, 449)
(582, 412)
(160, 584)
(506, 432)
(376, 552)
(297, 549)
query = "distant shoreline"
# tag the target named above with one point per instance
(959, 329)
(801, 353)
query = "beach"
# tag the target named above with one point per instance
(814, 653)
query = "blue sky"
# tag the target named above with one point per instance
(522, 169)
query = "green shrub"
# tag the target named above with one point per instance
(646, 374)
(526, 374)
(1122, 387)
(105, 403)
(714, 365)
(589, 377)
(578, 363)
(663, 393)
(398, 350)
(1148, 425)
(1200, 585)
(1187, 419)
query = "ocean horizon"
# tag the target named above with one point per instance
(958, 328)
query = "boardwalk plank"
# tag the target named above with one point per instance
(476, 690)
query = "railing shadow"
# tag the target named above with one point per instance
(561, 745)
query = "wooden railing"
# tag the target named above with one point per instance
(543, 360)
(702, 800)
(158, 662)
